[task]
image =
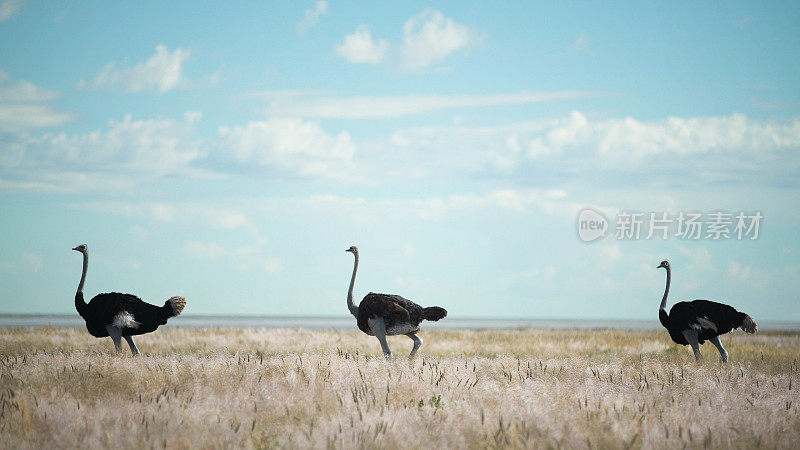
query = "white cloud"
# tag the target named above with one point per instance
(579, 44)
(154, 147)
(519, 201)
(272, 94)
(741, 272)
(27, 262)
(567, 153)
(753, 281)
(747, 20)
(430, 37)
(24, 118)
(288, 144)
(203, 250)
(41, 180)
(135, 152)
(312, 15)
(243, 258)
(611, 252)
(550, 200)
(423, 152)
(126, 154)
(699, 258)
(22, 91)
(161, 72)
(23, 107)
(627, 142)
(404, 105)
(358, 47)
(630, 139)
(556, 138)
(514, 202)
(10, 8)
(721, 148)
(32, 262)
(214, 216)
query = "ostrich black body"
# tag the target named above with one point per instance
(684, 316)
(396, 311)
(119, 315)
(100, 312)
(693, 323)
(382, 315)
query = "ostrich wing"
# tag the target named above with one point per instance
(388, 306)
(705, 323)
(712, 316)
(397, 313)
(395, 310)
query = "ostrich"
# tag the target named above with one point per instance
(698, 321)
(382, 315)
(121, 315)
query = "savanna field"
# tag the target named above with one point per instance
(263, 388)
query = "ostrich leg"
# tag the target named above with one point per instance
(417, 343)
(378, 326)
(116, 336)
(131, 344)
(718, 344)
(691, 337)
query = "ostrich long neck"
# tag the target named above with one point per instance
(666, 291)
(80, 303)
(350, 305)
(85, 268)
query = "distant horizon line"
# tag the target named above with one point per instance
(342, 321)
(322, 316)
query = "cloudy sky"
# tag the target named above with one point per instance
(231, 153)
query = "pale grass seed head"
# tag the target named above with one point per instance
(467, 388)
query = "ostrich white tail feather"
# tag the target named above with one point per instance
(177, 303)
(124, 319)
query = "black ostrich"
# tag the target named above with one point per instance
(382, 315)
(698, 321)
(121, 315)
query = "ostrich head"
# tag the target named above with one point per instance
(81, 248)
(353, 249)
(664, 264)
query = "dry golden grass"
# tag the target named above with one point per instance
(220, 388)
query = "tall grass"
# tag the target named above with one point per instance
(192, 388)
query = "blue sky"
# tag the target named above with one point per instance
(232, 153)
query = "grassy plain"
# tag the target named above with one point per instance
(263, 388)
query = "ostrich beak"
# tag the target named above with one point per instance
(660, 266)
(75, 248)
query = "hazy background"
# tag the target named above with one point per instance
(230, 153)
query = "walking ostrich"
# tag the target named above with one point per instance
(382, 315)
(121, 315)
(698, 321)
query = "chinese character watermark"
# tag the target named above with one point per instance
(629, 225)
(683, 225)
(689, 225)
